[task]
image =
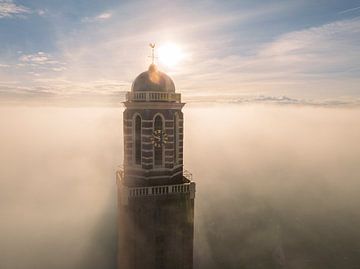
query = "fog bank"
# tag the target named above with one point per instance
(277, 186)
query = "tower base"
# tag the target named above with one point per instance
(156, 226)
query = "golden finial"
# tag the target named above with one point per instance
(152, 46)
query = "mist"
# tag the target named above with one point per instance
(277, 186)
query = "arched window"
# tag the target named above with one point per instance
(137, 139)
(176, 138)
(158, 150)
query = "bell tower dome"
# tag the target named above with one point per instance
(153, 80)
(155, 194)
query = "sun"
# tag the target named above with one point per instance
(170, 54)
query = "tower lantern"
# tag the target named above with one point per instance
(156, 196)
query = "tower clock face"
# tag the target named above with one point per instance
(159, 138)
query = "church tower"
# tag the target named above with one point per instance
(155, 194)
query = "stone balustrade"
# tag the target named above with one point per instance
(153, 97)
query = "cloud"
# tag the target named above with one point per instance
(101, 17)
(323, 59)
(41, 12)
(279, 177)
(271, 100)
(39, 58)
(354, 9)
(104, 16)
(64, 87)
(330, 46)
(315, 62)
(41, 61)
(60, 91)
(119, 49)
(285, 100)
(9, 9)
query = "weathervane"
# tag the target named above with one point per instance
(152, 46)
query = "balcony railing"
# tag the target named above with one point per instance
(153, 97)
(160, 190)
(127, 193)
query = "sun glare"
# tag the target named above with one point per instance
(170, 54)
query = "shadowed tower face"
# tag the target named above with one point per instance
(155, 196)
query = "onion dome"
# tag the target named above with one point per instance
(153, 81)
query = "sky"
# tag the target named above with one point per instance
(243, 51)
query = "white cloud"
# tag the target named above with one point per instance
(35, 59)
(101, 17)
(311, 58)
(354, 9)
(59, 69)
(41, 12)
(334, 42)
(60, 90)
(319, 61)
(285, 100)
(40, 59)
(273, 100)
(104, 16)
(9, 9)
